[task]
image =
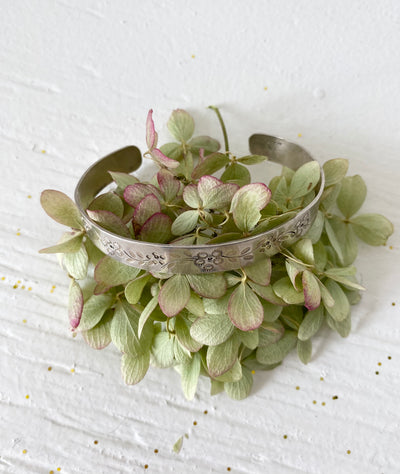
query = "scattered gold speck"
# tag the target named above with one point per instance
(195, 423)
(265, 88)
(205, 412)
(299, 135)
(323, 404)
(390, 357)
(43, 151)
(51, 472)
(193, 56)
(24, 321)
(50, 368)
(228, 468)
(3, 278)
(72, 371)
(95, 441)
(297, 388)
(29, 196)
(284, 436)
(391, 247)
(23, 287)
(53, 288)
(15, 286)
(24, 451)
(379, 363)
(59, 469)
(315, 402)
(348, 451)
(30, 288)
(27, 397)
(253, 371)
(377, 373)
(74, 334)
(393, 304)
(321, 378)
(19, 281)
(18, 233)
(156, 451)
(335, 397)
(146, 466)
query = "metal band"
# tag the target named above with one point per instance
(191, 259)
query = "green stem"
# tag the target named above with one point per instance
(216, 110)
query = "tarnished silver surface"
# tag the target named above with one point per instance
(195, 258)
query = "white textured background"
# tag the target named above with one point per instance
(76, 80)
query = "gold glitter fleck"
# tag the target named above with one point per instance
(391, 247)
(72, 371)
(390, 357)
(27, 397)
(30, 288)
(50, 368)
(15, 286)
(265, 88)
(59, 469)
(284, 436)
(24, 321)
(51, 472)
(323, 404)
(228, 468)
(195, 423)
(297, 388)
(377, 373)
(29, 196)
(335, 397)
(321, 378)
(348, 451)
(253, 371)
(23, 287)
(205, 412)
(379, 363)
(43, 151)
(3, 278)
(156, 451)
(393, 304)
(193, 56)
(146, 466)
(19, 281)
(299, 135)
(18, 233)
(95, 441)
(24, 451)
(315, 402)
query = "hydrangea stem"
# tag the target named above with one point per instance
(216, 110)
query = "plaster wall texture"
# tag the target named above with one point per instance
(76, 81)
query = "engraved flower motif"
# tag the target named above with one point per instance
(207, 261)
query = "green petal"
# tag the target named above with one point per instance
(134, 368)
(237, 174)
(181, 125)
(212, 285)
(311, 323)
(174, 295)
(260, 271)
(352, 195)
(284, 289)
(341, 309)
(304, 180)
(108, 202)
(110, 272)
(99, 336)
(221, 358)
(70, 243)
(185, 222)
(212, 329)
(374, 229)
(110, 221)
(304, 350)
(93, 311)
(61, 208)
(335, 170)
(245, 310)
(241, 388)
(190, 373)
(274, 353)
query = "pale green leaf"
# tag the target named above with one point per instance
(61, 208)
(304, 350)
(221, 358)
(110, 272)
(341, 309)
(270, 333)
(99, 336)
(304, 180)
(343, 328)
(352, 194)
(211, 285)
(216, 387)
(163, 350)
(249, 338)
(174, 295)
(93, 310)
(69, 243)
(271, 311)
(260, 271)
(274, 353)
(185, 222)
(94, 253)
(304, 251)
(134, 367)
(181, 125)
(172, 150)
(345, 276)
(75, 304)
(342, 238)
(146, 313)
(240, 389)
(311, 323)
(134, 289)
(157, 229)
(267, 293)
(124, 328)
(285, 290)
(177, 445)
(108, 202)
(232, 375)
(329, 197)
(212, 329)
(374, 229)
(211, 164)
(252, 159)
(315, 231)
(76, 264)
(326, 297)
(183, 335)
(244, 309)
(110, 222)
(335, 170)
(208, 144)
(195, 305)
(123, 179)
(237, 174)
(247, 204)
(311, 290)
(190, 376)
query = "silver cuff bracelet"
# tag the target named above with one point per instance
(192, 259)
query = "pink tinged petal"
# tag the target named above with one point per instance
(220, 197)
(159, 157)
(261, 195)
(109, 221)
(201, 155)
(191, 196)
(151, 134)
(148, 206)
(61, 208)
(157, 229)
(75, 304)
(134, 193)
(311, 290)
(260, 271)
(206, 184)
(169, 184)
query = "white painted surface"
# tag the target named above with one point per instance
(76, 80)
